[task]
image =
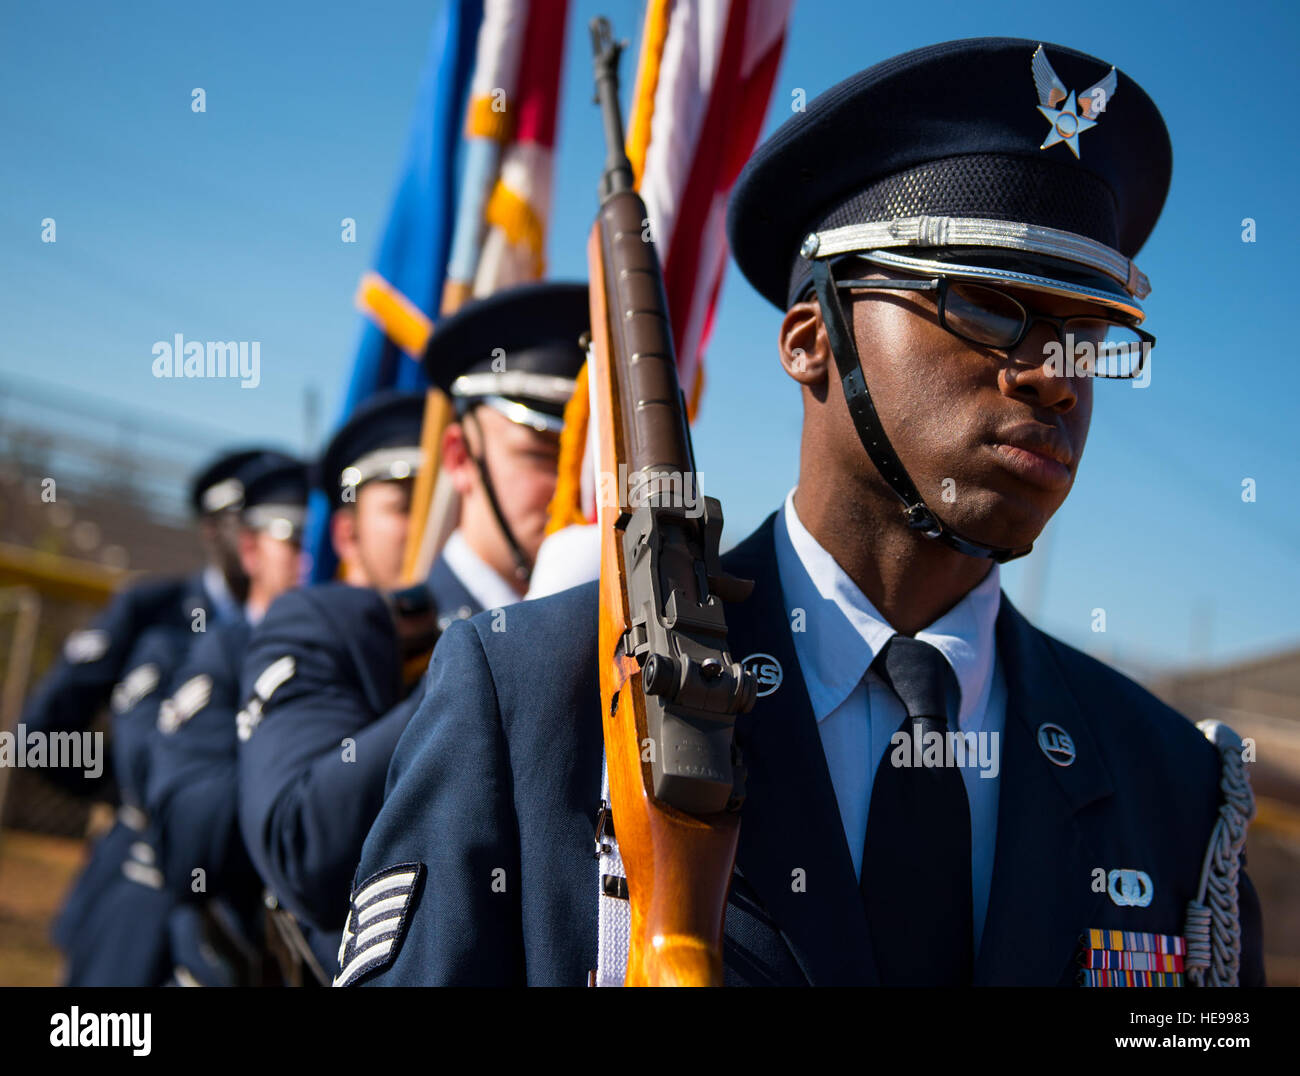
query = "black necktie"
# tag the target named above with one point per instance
(916, 869)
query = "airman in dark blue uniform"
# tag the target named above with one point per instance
(330, 675)
(94, 660)
(113, 926)
(341, 638)
(950, 237)
(218, 926)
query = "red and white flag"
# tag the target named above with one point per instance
(703, 85)
(520, 204)
(704, 81)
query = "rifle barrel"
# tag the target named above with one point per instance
(618, 169)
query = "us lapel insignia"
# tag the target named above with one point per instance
(377, 919)
(767, 671)
(1056, 744)
(1131, 958)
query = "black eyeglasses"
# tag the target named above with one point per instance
(1090, 346)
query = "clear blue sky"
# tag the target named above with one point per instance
(225, 225)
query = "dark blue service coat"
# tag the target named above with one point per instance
(500, 769)
(324, 707)
(192, 799)
(113, 927)
(94, 660)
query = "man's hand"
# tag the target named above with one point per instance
(415, 618)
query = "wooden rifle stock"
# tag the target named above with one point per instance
(669, 688)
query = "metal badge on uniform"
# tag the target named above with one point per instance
(83, 647)
(767, 670)
(1056, 744)
(1130, 888)
(1131, 958)
(376, 921)
(1075, 115)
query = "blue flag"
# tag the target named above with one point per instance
(413, 252)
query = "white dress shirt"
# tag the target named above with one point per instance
(476, 575)
(224, 605)
(568, 558)
(857, 713)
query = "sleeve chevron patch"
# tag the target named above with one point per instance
(376, 921)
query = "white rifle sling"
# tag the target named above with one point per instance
(614, 912)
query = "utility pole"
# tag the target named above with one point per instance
(310, 418)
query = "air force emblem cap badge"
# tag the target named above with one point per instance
(1069, 115)
(376, 921)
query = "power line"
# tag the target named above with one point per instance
(102, 409)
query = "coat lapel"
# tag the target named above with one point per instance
(1041, 896)
(792, 845)
(451, 598)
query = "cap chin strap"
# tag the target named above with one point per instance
(522, 568)
(872, 433)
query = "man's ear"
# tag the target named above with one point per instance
(343, 533)
(208, 539)
(455, 458)
(805, 350)
(248, 552)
